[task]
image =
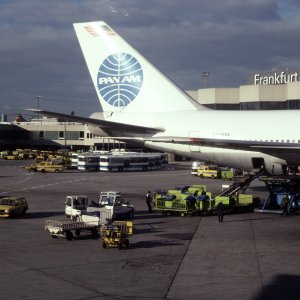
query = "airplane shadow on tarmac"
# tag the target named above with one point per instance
(282, 287)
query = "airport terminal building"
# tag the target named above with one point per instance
(263, 91)
(50, 133)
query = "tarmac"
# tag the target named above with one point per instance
(248, 256)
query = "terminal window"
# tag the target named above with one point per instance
(61, 135)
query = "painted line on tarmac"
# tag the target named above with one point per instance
(15, 183)
(42, 186)
(70, 181)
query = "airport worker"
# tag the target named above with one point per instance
(220, 211)
(203, 196)
(149, 201)
(285, 205)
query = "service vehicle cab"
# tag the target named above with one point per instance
(208, 172)
(75, 205)
(114, 203)
(13, 206)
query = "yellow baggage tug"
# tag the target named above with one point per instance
(116, 234)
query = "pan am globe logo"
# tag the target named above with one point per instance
(120, 79)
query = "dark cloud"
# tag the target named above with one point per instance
(40, 55)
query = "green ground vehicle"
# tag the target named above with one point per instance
(239, 202)
(181, 201)
(227, 175)
(196, 199)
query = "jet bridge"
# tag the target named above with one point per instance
(279, 187)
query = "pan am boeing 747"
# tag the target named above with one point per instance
(142, 105)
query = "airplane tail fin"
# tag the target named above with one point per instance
(123, 78)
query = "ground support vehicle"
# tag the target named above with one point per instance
(31, 168)
(133, 161)
(280, 187)
(88, 162)
(197, 200)
(204, 203)
(116, 234)
(208, 172)
(11, 155)
(227, 175)
(195, 166)
(115, 204)
(49, 166)
(173, 206)
(13, 206)
(195, 189)
(68, 228)
(236, 202)
(179, 200)
(75, 205)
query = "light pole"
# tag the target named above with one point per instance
(205, 75)
(38, 98)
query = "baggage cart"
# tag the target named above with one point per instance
(70, 228)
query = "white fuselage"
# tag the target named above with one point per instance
(232, 125)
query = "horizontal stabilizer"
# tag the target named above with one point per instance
(107, 126)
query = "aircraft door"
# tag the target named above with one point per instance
(258, 163)
(195, 135)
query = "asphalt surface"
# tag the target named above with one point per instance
(248, 256)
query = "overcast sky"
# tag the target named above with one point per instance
(40, 54)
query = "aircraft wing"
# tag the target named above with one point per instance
(107, 126)
(122, 131)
